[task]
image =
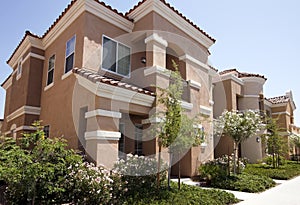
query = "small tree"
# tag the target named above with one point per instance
(239, 126)
(295, 141)
(176, 130)
(275, 142)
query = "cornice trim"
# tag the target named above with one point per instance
(103, 113)
(30, 110)
(102, 135)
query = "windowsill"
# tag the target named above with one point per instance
(48, 86)
(64, 76)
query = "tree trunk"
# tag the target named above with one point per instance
(234, 157)
(169, 170)
(179, 173)
(158, 165)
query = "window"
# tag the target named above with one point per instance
(116, 57)
(122, 154)
(47, 131)
(51, 70)
(19, 69)
(138, 147)
(70, 50)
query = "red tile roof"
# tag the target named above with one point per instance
(242, 74)
(279, 99)
(95, 77)
(110, 8)
(177, 12)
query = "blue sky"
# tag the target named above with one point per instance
(253, 36)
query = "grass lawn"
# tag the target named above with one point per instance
(187, 195)
(289, 170)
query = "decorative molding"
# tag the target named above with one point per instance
(7, 83)
(155, 37)
(69, 73)
(194, 84)
(102, 135)
(251, 96)
(30, 110)
(33, 55)
(205, 110)
(103, 113)
(157, 70)
(25, 128)
(187, 105)
(28, 42)
(49, 86)
(282, 113)
(163, 10)
(152, 120)
(188, 58)
(254, 80)
(94, 8)
(268, 103)
(116, 93)
(233, 78)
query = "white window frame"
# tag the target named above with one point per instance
(117, 51)
(65, 71)
(19, 68)
(48, 70)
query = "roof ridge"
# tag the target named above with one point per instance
(177, 12)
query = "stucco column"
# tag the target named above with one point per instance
(156, 51)
(102, 136)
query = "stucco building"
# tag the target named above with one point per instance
(235, 90)
(91, 78)
(282, 108)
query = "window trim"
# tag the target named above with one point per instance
(50, 84)
(19, 71)
(117, 50)
(74, 36)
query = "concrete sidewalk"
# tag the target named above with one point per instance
(287, 193)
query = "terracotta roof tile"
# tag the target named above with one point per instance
(279, 99)
(213, 68)
(177, 12)
(95, 77)
(242, 74)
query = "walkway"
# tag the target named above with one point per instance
(287, 193)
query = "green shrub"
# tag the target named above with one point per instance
(217, 169)
(269, 160)
(284, 172)
(44, 171)
(138, 173)
(186, 195)
(245, 182)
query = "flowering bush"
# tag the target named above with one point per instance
(219, 168)
(138, 172)
(88, 184)
(44, 171)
